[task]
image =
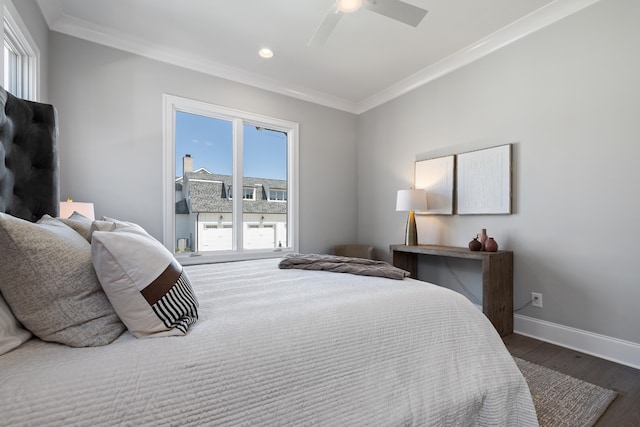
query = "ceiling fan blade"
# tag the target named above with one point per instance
(326, 27)
(398, 10)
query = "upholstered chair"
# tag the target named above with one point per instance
(354, 251)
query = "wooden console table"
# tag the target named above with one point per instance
(497, 277)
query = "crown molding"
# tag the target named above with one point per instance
(65, 24)
(51, 10)
(547, 15)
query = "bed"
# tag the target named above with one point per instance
(267, 346)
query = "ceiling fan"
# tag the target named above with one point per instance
(394, 9)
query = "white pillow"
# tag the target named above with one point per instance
(11, 334)
(145, 284)
(116, 223)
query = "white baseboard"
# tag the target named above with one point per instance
(613, 349)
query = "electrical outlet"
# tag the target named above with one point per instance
(536, 299)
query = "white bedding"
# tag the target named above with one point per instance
(283, 347)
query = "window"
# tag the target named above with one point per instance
(279, 195)
(247, 193)
(20, 56)
(214, 151)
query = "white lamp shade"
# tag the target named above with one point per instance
(348, 6)
(411, 200)
(68, 208)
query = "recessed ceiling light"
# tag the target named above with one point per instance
(265, 52)
(348, 6)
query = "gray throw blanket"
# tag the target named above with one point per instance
(340, 264)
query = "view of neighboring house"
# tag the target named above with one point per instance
(204, 214)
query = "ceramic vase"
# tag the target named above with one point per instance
(491, 245)
(483, 238)
(475, 245)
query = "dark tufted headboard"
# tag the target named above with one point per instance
(29, 186)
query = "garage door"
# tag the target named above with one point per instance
(261, 237)
(216, 239)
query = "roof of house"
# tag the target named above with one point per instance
(209, 193)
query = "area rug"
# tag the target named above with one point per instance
(561, 400)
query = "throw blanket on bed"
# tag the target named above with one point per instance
(340, 264)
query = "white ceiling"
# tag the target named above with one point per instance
(367, 60)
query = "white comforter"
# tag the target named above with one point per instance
(283, 347)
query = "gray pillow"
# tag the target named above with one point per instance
(79, 223)
(48, 280)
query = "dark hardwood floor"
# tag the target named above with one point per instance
(623, 411)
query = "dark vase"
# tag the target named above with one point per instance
(475, 244)
(491, 245)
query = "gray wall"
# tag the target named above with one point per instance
(568, 98)
(110, 114)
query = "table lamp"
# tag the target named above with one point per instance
(69, 207)
(410, 201)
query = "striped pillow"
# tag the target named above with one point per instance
(147, 287)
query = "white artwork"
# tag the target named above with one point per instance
(436, 176)
(484, 181)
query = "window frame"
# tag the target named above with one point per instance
(173, 104)
(278, 191)
(17, 35)
(249, 193)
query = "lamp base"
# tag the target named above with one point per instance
(411, 235)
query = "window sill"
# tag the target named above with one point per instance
(194, 258)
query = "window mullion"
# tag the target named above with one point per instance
(238, 188)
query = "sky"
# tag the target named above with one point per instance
(209, 142)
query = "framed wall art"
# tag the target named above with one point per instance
(436, 176)
(483, 181)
